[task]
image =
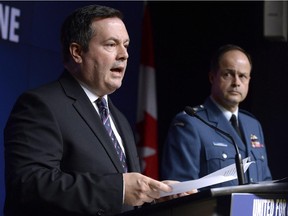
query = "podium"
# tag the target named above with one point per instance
(243, 200)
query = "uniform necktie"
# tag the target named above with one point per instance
(234, 123)
(104, 114)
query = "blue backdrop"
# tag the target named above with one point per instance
(30, 54)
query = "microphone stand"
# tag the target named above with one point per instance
(238, 159)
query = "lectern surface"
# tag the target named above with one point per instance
(220, 201)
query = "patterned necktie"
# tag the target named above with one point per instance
(234, 123)
(104, 114)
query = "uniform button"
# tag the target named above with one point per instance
(251, 180)
(262, 157)
(224, 155)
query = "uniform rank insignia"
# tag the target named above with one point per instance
(255, 142)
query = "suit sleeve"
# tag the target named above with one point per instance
(35, 181)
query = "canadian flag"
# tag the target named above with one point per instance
(147, 131)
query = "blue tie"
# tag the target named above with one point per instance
(104, 114)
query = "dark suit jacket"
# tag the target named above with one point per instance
(193, 150)
(59, 159)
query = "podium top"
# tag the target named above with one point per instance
(267, 188)
(210, 194)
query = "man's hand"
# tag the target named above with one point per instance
(140, 189)
(170, 182)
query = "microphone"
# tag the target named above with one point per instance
(238, 160)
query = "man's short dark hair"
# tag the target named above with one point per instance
(214, 66)
(77, 26)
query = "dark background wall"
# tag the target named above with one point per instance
(185, 35)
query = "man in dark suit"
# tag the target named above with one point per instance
(193, 150)
(59, 158)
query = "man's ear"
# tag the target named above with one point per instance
(211, 77)
(76, 51)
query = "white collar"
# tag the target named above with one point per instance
(225, 112)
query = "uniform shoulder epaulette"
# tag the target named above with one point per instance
(247, 113)
(198, 108)
(191, 110)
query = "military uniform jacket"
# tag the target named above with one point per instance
(193, 150)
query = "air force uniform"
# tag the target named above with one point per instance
(193, 149)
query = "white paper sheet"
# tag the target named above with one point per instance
(225, 174)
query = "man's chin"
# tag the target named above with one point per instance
(233, 102)
(235, 99)
(113, 88)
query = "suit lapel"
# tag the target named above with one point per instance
(216, 118)
(245, 129)
(124, 130)
(88, 113)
